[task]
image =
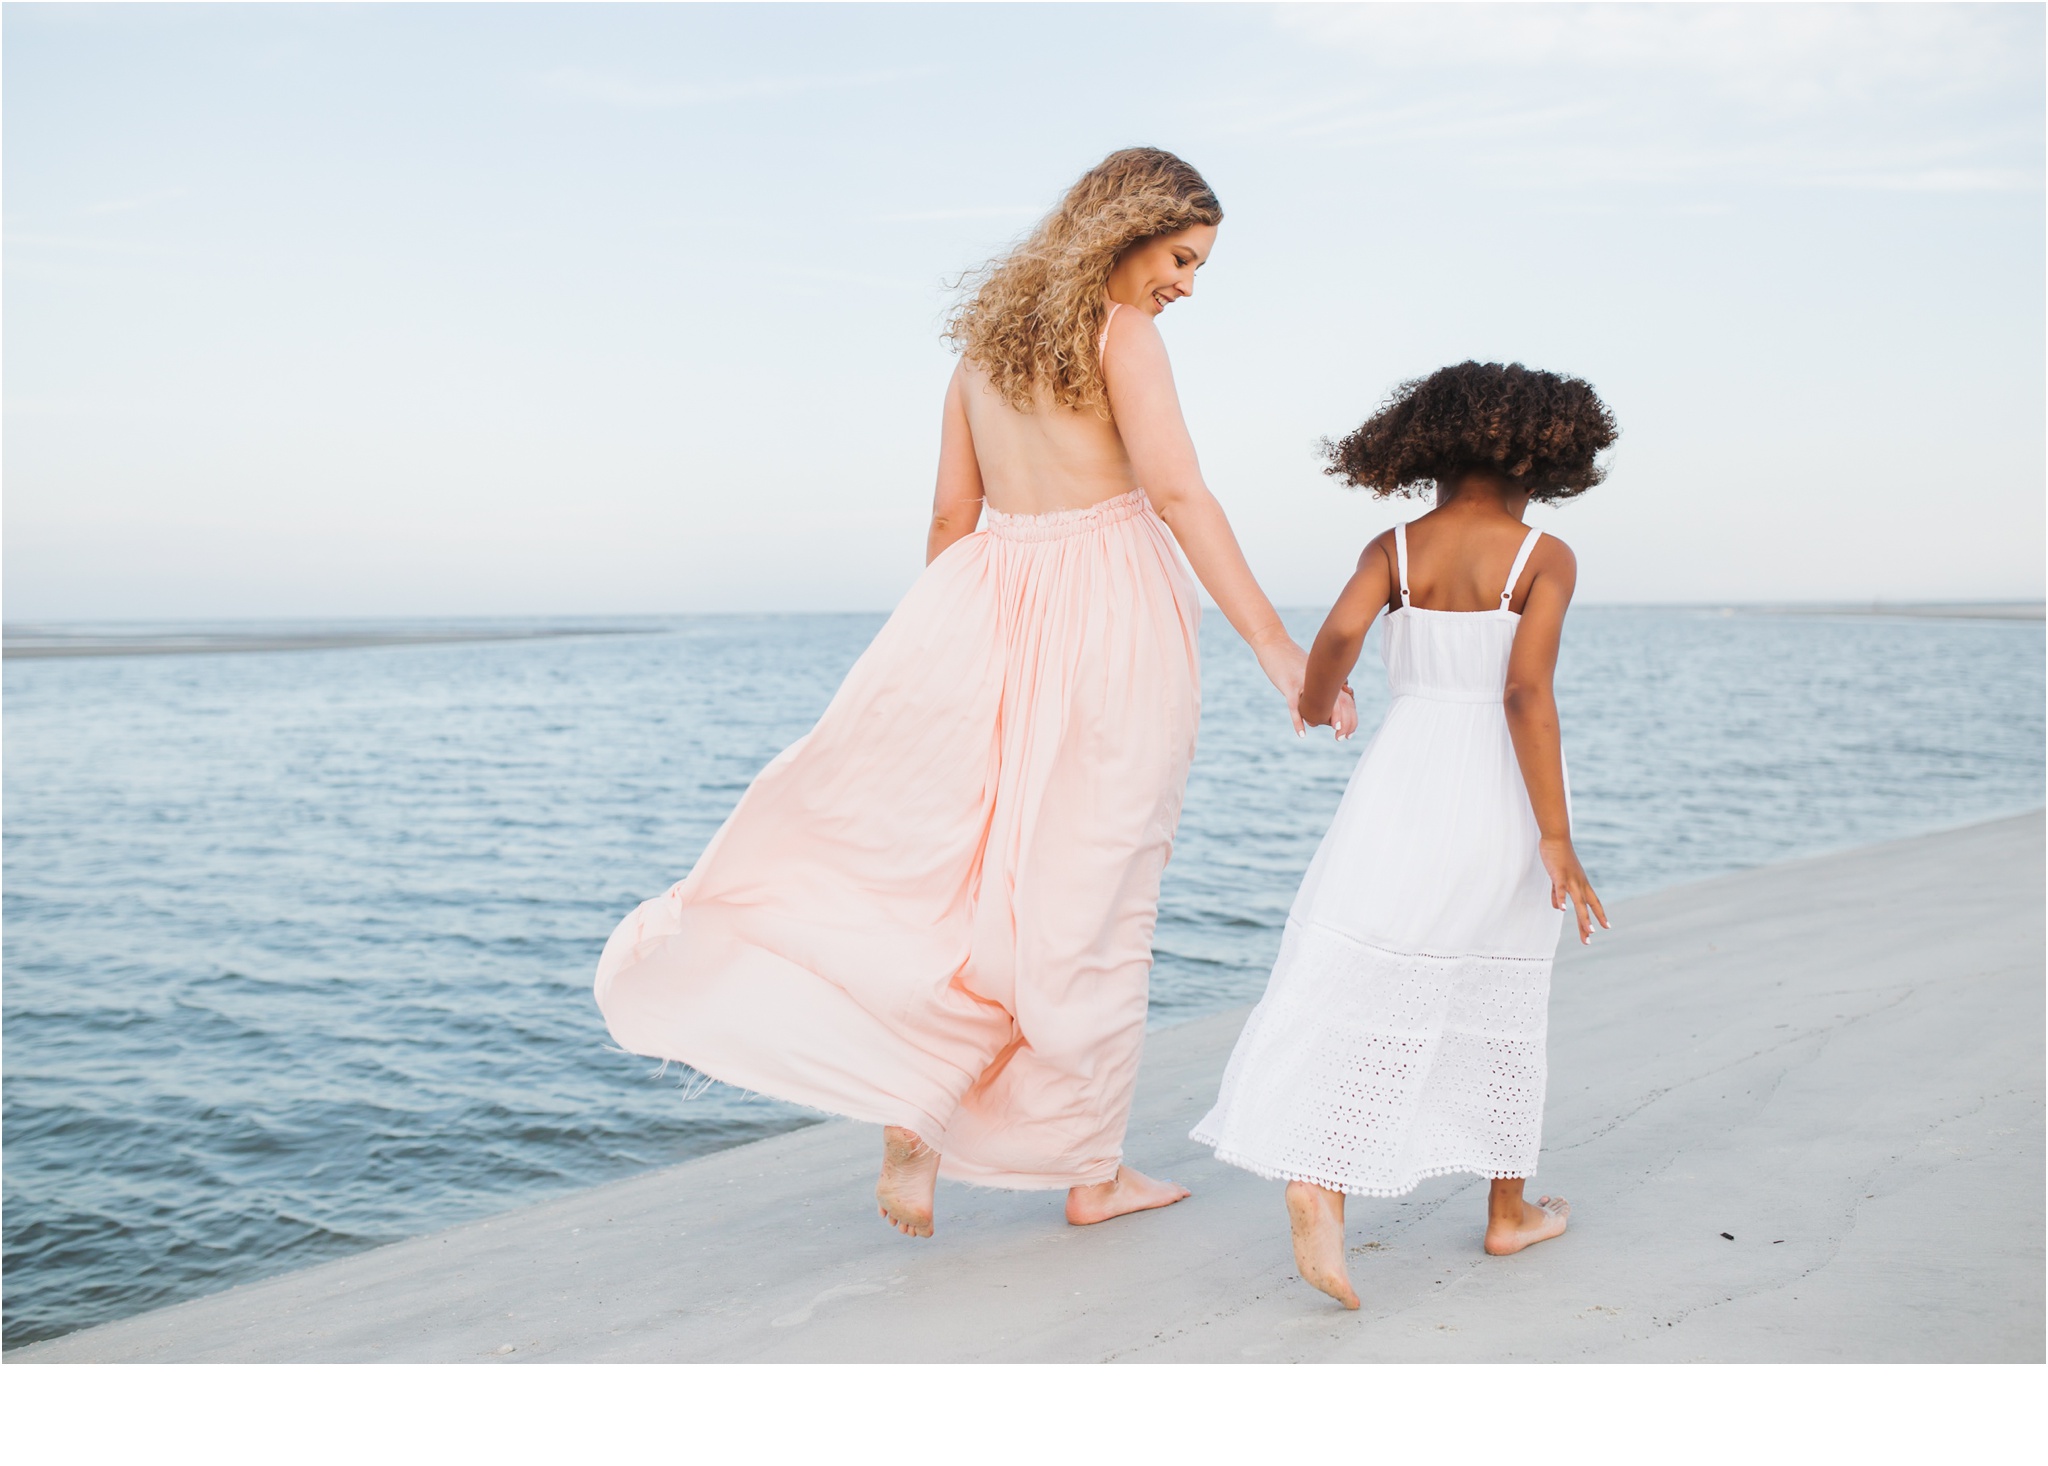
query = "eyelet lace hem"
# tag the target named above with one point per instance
(1349, 1187)
(1366, 1070)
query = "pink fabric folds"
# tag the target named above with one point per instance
(936, 908)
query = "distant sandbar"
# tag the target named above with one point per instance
(63, 644)
(1943, 611)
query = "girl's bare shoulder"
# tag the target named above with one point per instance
(1378, 550)
(1553, 556)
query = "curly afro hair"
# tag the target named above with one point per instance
(1540, 430)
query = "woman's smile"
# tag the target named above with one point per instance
(1152, 274)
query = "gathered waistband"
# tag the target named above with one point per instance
(1451, 694)
(1059, 523)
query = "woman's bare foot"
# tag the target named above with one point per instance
(910, 1174)
(1127, 1191)
(1316, 1217)
(1537, 1221)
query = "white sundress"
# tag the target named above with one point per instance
(1402, 1032)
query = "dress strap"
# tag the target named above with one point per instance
(1508, 592)
(1102, 341)
(1401, 558)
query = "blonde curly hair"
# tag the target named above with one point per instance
(1031, 318)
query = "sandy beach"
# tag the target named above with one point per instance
(1798, 1110)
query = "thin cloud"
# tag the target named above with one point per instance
(1887, 97)
(1794, 53)
(74, 244)
(624, 92)
(934, 216)
(1356, 115)
(139, 201)
(847, 277)
(1940, 180)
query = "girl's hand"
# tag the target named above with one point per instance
(1568, 883)
(1286, 667)
(1344, 720)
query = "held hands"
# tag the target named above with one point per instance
(1286, 666)
(1343, 715)
(1568, 884)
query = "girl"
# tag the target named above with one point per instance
(935, 910)
(1401, 1034)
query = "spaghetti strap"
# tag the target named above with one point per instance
(1401, 559)
(1529, 543)
(1102, 341)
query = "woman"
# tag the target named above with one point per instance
(935, 910)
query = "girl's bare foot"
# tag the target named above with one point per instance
(1537, 1221)
(1127, 1191)
(910, 1174)
(1316, 1217)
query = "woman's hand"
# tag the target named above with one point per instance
(1342, 718)
(1568, 884)
(1286, 667)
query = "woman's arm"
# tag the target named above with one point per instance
(1147, 411)
(956, 503)
(1531, 707)
(1337, 646)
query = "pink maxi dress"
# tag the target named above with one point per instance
(935, 909)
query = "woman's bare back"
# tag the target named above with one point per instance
(1046, 459)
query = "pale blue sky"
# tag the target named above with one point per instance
(532, 309)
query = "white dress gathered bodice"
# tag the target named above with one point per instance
(1448, 656)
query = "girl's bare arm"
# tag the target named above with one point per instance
(1147, 411)
(1337, 646)
(956, 503)
(1531, 706)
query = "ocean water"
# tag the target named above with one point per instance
(298, 945)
